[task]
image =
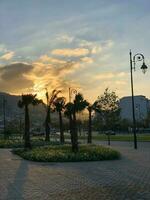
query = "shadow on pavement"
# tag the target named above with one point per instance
(15, 188)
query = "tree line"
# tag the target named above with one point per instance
(106, 107)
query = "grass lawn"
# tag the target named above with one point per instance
(59, 153)
(17, 142)
(119, 137)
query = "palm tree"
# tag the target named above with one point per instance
(78, 105)
(68, 113)
(91, 107)
(59, 106)
(89, 139)
(50, 106)
(28, 99)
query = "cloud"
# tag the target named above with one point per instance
(96, 47)
(3, 48)
(71, 52)
(65, 38)
(104, 76)
(59, 68)
(7, 56)
(87, 60)
(13, 79)
(15, 70)
(49, 72)
(121, 83)
(49, 76)
(53, 72)
(109, 75)
(47, 59)
(108, 44)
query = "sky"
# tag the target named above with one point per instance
(82, 44)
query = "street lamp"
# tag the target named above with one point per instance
(71, 91)
(133, 60)
(4, 114)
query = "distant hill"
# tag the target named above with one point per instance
(10, 104)
(12, 109)
(37, 113)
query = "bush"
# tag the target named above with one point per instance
(19, 143)
(7, 143)
(64, 154)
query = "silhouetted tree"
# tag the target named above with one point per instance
(68, 113)
(146, 121)
(50, 106)
(78, 105)
(109, 111)
(91, 108)
(28, 99)
(59, 104)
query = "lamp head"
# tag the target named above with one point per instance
(144, 67)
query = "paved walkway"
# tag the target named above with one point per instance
(128, 178)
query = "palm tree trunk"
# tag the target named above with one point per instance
(27, 128)
(108, 137)
(75, 147)
(47, 124)
(71, 128)
(90, 127)
(61, 128)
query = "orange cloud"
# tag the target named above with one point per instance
(7, 56)
(104, 76)
(87, 60)
(46, 58)
(71, 52)
(13, 78)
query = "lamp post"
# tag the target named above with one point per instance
(71, 91)
(4, 115)
(133, 60)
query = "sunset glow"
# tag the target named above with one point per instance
(84, 44)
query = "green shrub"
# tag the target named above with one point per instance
(64, 154)
(18, 143)
(7, 143)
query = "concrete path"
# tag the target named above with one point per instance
(125, 179)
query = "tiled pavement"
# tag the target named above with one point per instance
(125, 179)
